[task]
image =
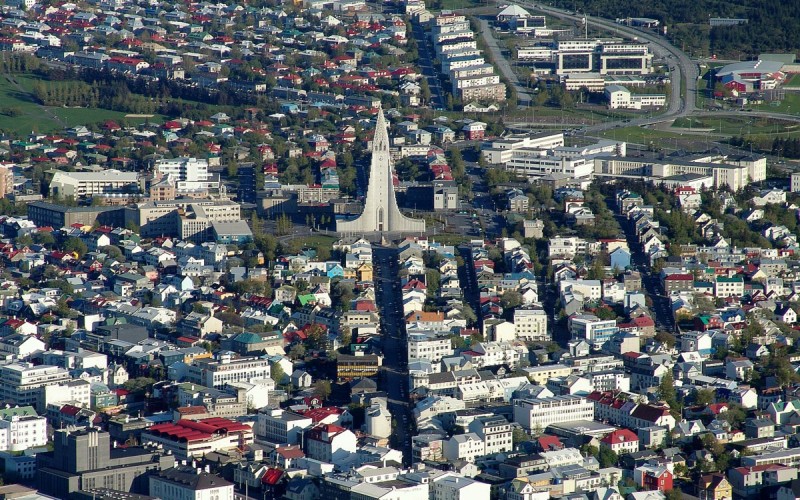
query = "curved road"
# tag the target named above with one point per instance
(684, 70)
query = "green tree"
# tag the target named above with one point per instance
(77, 246)
(297, 351)
(283, 225)
(607, 457)
(277, 373)
(666, 390)
(673, 494)
(511, 299)
(519, 436)
(322, 388)
(704, 397)
(432, 281)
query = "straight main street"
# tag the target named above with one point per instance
(425, 62)
(394, 375)
(661, 306)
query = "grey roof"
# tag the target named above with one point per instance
(188, 477)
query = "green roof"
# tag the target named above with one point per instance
(248, 338)
(20, 411)
(307, 298)
(723, 279)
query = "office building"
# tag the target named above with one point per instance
(187, 439)
(531, 324)
(281, 426)
(57, 216)
(225, 369)
(186, 219)
(603, 56)
(84, 459)
(501, 150)
(537, 414)
(592, 329)
(247, 183)
(23, 383)
(620, 97)
(88, 184)
(188, 174)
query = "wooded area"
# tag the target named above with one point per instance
(773, 25)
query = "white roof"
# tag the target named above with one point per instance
(514, 11)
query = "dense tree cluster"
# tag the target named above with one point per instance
(772, 26)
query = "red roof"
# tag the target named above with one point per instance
(679, 277)
(70, 410)
(620, 436)
(319, 414)
(272, 476)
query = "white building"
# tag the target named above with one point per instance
(495, 432)
(453, 487)
(539, 413)
(467, 447)
(539, 162)
(188, 174)
(84, 184)
(329, 443)
(188, 483)
(21, 383)
(21, 428)
(502, 150)
(592, 329)
(71, 391)
(281, 426)
(428, 347)
(589, 289)
(378, 419)
(620, 97)
(226, 369)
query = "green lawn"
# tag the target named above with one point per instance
(792, 81)
(789, 105)
(641, 135)
(738, 125)
(20, 113)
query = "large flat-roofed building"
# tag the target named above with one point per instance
(734, 177)
(22, 383)
(535, 163)
(620, 97)
(603, 56)
(189, 174)
(593, 82)
(84, 459)
(488, 92)
(501, 150)
(226, 369)
(541, 412)
(185, 218)
(57, 216)
(87, 184)
(194, 438)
